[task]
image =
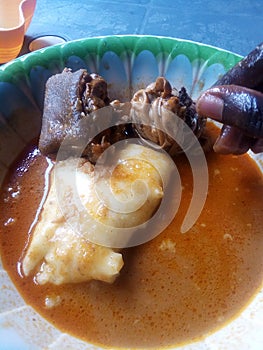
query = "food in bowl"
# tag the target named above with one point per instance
(72, 97)
(72, 100)
(171, 290)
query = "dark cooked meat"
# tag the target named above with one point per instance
(70, 98)
(74, 113)
(121, 129)
(155, 112)
(95, 95)
(62, 109)
(79, 116)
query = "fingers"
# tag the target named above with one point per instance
(257, 147)
(235, 106)
(247, 72)
(232, 141)
(240, 108)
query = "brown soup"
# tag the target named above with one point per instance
(172, 290)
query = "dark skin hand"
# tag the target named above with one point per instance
(236, 100)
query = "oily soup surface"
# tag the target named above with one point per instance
(171, 290)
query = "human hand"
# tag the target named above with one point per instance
(236, 100)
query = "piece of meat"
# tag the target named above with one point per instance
(155, 113)
(77, 113)
(63, 108)
(120, 130)
(95, 95)
(70, 97)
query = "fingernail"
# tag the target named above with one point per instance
(210, 106)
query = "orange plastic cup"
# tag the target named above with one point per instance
(15, 17)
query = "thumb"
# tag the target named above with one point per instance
(235, 106)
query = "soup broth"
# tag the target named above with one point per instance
(172, 290)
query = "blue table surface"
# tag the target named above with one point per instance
(232, 25)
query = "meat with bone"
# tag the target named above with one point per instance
(73, 100)
(157, 112)
(73, 110)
